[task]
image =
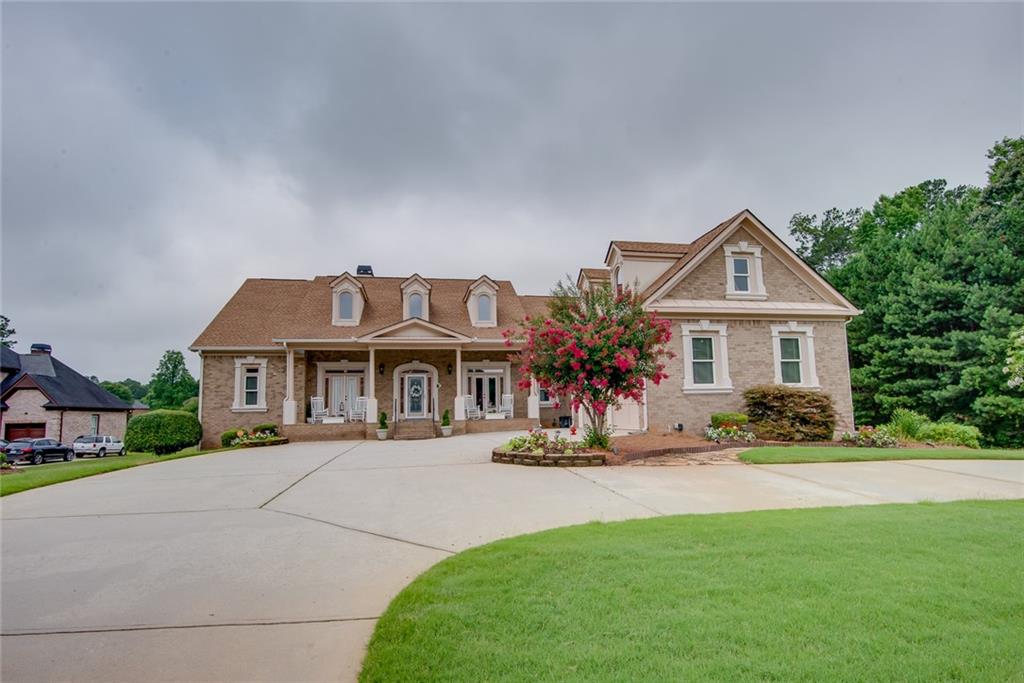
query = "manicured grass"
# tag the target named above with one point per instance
(890, 592)
(34, 476)
(782, 454)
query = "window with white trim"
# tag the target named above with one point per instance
(347, 301)
(250, 384)
(94, 424)
(744, 275)
(546, 397)
(705, 358)
(793, 348)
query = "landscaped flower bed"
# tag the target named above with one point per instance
(537, 448)
(261, 435)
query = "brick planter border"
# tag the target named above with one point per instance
(259, 444)
(584, 459)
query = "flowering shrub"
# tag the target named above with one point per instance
(729, 419)
(728, 434)
(869, 437)
(597, 347)
(539, 443)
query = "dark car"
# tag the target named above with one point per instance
(36, 451)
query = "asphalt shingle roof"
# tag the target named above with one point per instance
(65, 387)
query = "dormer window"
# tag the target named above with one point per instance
(416, 305)
(416, 298)
(482, 302)
(348, 301)
(744, 278)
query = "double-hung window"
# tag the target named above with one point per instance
(741, 275)
(250, 384)
(251, 388)
(790, 361)
(794, 355)
(706, 358)
(703, 363)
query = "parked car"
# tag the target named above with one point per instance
(36, 451)
(98, 445)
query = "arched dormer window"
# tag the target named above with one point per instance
(481, 302)
(345, 306)
(415, 305)
(349, 298)
(483, 308)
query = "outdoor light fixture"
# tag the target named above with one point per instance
(380, 368)
(449, 368)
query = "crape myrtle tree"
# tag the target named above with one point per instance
(594, 348)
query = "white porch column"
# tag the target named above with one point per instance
(371, 389)
(288, 410)
(533, 402)
(460, 402)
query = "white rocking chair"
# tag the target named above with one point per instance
(507, 401)
(358, 411)
(317, 409)
(472, 409)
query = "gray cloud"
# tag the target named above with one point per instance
(154, 155)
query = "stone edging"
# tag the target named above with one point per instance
(585, 459)
(280, 441)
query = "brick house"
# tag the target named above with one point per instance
(745, 310)
(41, 397)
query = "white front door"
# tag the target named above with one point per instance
(336, 394)
(416, 396)
(343, 389)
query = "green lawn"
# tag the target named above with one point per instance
(891, 592)
(780, 454)
(34, 476)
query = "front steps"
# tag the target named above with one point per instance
(414, 429)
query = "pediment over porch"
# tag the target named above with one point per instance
(414, 329)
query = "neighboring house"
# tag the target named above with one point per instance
(745, 308)
(42, 397)
(138, 407)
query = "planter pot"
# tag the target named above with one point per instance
(446, 431)
(382, 434)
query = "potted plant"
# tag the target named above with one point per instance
(446, 424)
(382, 426)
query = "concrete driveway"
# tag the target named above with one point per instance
(274, 563)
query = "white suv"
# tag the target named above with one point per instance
(98, 445)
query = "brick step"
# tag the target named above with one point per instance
(414, 429)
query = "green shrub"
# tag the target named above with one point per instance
(265, 428)
(162, 432)
(782, 413)
(593, 438)
(950, 433)
(446, 420)
(382, 421)
(191, 405)
(728, 420)
(230, 435)
(906, 423)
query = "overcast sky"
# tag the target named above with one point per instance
(155, 155)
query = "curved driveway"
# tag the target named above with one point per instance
(274, 563)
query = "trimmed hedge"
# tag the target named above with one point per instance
(162, 432)
(719, 420)
(781, 413)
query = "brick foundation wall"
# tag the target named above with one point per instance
(751, 362)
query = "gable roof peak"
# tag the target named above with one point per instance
(416, 278)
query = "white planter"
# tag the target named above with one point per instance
(446, 431)
(382, 434)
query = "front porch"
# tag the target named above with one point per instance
(339, 393)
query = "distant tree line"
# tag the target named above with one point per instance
(171, 386)
(939, 275)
